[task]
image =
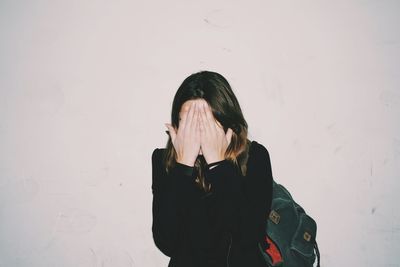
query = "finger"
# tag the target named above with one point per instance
(206, 126)
(197, 128)
(210, 117)
(194, 119)
(182, 121)
(219, 126)
(228, 135)
(201, 119)
(171, 130)
(189, 118)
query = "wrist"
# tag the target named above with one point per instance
(215, 160)
(214, 164)
(184, 169)
(185, 162)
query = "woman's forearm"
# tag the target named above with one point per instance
(172, 195)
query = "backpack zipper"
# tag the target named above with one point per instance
(229, 250)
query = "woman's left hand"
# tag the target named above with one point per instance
(213, 140)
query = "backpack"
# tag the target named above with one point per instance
(290, 234)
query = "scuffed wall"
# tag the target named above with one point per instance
(86, 87)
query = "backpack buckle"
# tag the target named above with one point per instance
(307, 236)
(274, 216)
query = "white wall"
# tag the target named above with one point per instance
(86, 86)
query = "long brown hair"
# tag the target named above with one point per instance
(215, 89)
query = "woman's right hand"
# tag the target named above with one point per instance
(186, 140)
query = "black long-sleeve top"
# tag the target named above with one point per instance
(220, 228)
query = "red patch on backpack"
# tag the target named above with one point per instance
(273, 251)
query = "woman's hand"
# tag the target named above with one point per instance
(187, 140)
(213, 140)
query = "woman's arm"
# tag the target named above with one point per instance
(172, 195)
(251, 196)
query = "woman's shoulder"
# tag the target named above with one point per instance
(258, 153)
(259, 159)
(257, 148)
(157, 155)
(157, 150)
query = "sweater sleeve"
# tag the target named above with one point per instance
(172, 195)
(251, 195)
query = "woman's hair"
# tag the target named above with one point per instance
(215, 89)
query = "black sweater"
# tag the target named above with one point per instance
(217, 229)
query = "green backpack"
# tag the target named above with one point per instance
(290, 233)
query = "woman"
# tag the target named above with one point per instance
(212, 187)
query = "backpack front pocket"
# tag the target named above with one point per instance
(304, 238)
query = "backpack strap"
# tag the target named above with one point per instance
(317, 253)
